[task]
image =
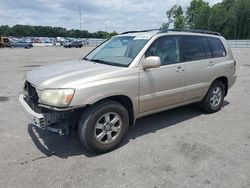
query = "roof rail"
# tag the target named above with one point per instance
(191, 31)
(140, 31)
(175, 30)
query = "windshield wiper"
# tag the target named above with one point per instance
(107, 62)
(85, 59)
(99, 61)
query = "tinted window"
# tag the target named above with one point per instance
(217, 47)
(167, 48)
(195, 48)
(206, 48)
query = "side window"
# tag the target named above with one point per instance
(206, 48)
(195, 48)
(217, 47)
(167, 48)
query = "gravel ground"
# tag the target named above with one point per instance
(182, 147)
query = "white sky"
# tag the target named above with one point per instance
(116, 15)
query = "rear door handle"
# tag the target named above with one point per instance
(179, 69)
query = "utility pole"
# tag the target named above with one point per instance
(106, 29)
(80, 16)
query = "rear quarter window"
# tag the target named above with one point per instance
(217, 48)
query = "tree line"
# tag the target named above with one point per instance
(231, 18)
(48, 31)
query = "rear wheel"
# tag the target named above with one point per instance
(103, 126)
(214, 98)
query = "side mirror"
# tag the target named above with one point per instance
(151, 62)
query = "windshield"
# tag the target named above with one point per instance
(118, 51)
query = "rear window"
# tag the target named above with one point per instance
(217, 47)
(195, 48)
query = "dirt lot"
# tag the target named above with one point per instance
(178, 148)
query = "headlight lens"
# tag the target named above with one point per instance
(56, 97)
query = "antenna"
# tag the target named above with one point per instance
(80, 16)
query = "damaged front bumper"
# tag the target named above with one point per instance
(52, 121)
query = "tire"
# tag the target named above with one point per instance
(99, 135)
(214, 98)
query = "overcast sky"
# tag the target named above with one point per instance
(117, 15)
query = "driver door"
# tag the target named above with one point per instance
(163, 86)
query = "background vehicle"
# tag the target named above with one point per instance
(76, 44)
(127, 77)
(22, 44)
(85, 42)
(4, 42)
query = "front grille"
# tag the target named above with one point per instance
(31, 93)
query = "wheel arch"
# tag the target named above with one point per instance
(126, 102)
(224, 80)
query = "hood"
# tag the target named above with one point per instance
(69, 74)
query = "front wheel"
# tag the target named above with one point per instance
(103, 126)
(214, 98)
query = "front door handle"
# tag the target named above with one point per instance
(179, 69)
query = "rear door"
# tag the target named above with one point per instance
(197, 60)
(220, 61)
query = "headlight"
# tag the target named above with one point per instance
(56, 97)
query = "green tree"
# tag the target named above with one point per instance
(223, 18)
(169, 14)
(5, 30)
(242, 30)
(231, 18)
(179, 18)
(176, 16)
(48, 31)
(198, 14)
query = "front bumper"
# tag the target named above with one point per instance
(51, 120)
(36, 118)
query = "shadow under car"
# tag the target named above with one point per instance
(69, 145)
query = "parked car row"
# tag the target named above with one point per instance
(6, 42)
(75, 44)
(67, 42)
(50, 40)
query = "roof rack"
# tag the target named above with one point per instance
(191, 31)
(175, 30)
(140, 31)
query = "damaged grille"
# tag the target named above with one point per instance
(31, 94)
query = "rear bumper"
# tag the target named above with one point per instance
(36, 118)
(231, 81)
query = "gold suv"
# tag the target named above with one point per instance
(129, 76)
